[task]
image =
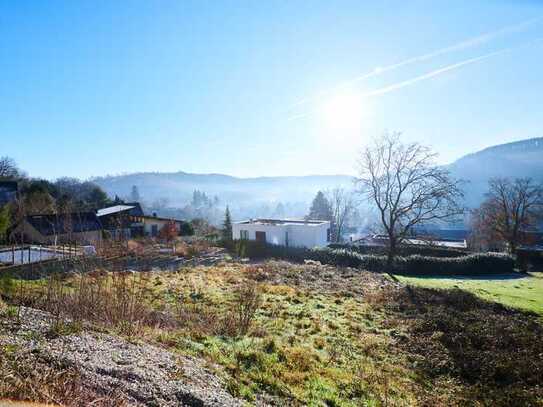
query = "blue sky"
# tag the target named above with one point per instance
(90, 88)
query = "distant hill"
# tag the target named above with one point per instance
(518, 159)
(178, 187)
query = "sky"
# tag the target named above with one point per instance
(89, 88)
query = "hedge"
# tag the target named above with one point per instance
(472, 264)
(405, 250)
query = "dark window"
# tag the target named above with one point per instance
(260, 237)
(328, 235)
(244, 234)
(154, 230)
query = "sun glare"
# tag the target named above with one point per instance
(343, 111)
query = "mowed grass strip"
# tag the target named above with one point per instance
(524, 292)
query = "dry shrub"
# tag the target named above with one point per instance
(119, 300)
(191, 249)
(247, 300)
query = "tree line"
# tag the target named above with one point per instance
(42, 197)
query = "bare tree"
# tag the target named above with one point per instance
(407, 187)
(8, 168)
(510, 209)
(343, 205)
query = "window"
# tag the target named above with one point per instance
(328, 235)
(260, 237)
(244, 234)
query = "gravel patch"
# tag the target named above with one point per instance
(145, 375)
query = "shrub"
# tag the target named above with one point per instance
(246, 303)
(404, 250)
(479, 263)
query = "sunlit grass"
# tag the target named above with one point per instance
(525, 292)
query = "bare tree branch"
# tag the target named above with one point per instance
(407, 187)
(511, 208)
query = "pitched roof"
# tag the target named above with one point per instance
(113, 209)
(133, 208)
(60, 224)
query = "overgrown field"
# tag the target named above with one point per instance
(315, 335)
(520, 291)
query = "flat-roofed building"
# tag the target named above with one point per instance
(284, 232)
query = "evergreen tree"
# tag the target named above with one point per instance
(320, 208)
(227, 226)
(135, 194)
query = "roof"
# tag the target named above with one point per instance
(163, 219)
(113, 209)
(60, 224)
(281, 222)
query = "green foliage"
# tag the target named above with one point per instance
(473, 264)
(227, 226)
(5, 219)
(186, 229)
(320, 208)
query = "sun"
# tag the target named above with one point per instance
(343, 111)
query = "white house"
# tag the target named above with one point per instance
(284, 232)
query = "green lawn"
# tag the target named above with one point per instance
(519, 292)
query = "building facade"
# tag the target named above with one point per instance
(81, 227)
(284, 232)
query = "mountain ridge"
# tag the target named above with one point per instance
(523, 158)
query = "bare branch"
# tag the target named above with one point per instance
(407, 187)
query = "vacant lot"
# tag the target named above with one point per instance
(285, 334)
(523, 292)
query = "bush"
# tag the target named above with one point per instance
(404, 250)
(480, 263)
(186, 229)
(530, 260)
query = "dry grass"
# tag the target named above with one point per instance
(311, 335)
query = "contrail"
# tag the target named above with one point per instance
(472, 42)
(431, 74)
